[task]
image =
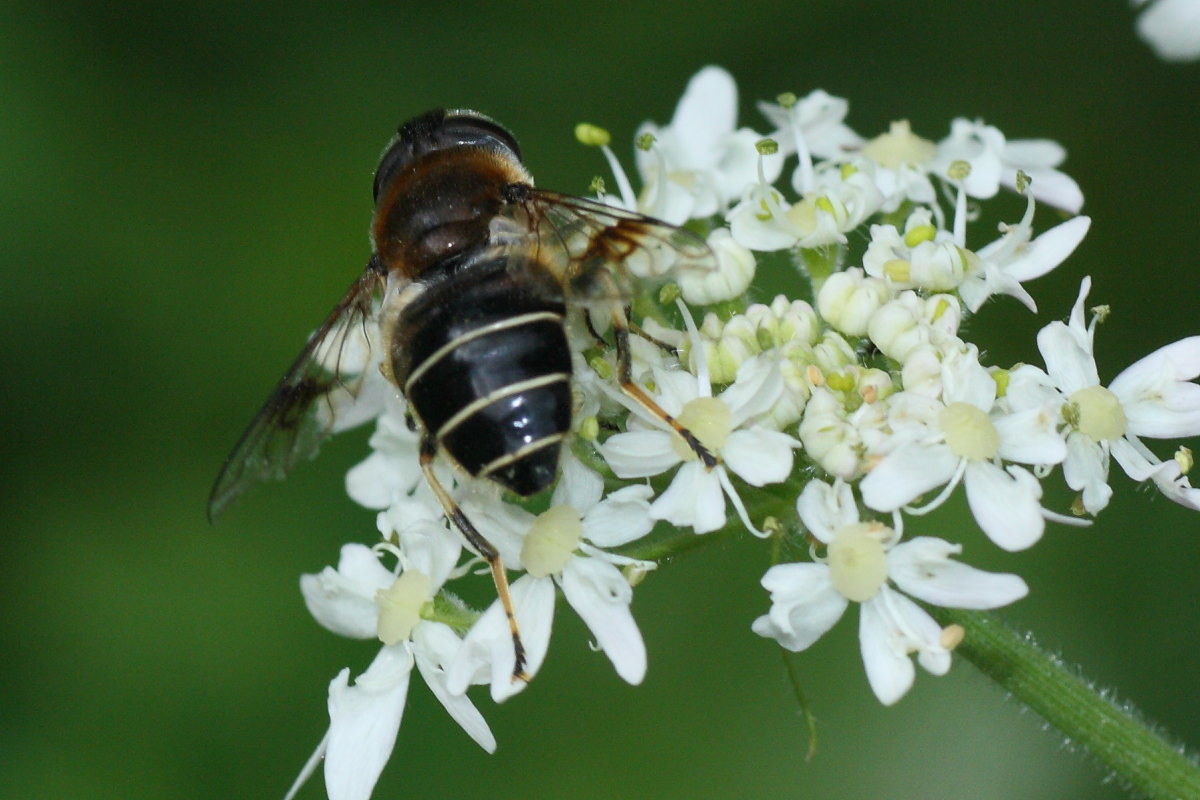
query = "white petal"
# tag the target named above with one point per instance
(1034, 153)
(426, 543)
(1054, 188)
(694, 499)
(824, 509)
(1172, 28)
(891, 627)
(639, 454)
(343, 600)
(622, 517)
(905, 474)
(965, 380)
(505, 523)
(1138, 462)
(486, 654)
(601, 596)
(756, 388)
(363, 722)
(373, 482)
(1006, 505)
(804, 605)
(706, 112)
(1030, 437)
(676, 388)
(759, 456)
(1086, 471)
(922, 567)
(578, 487)
(435, 645)
(1155, 393)
(754, 233)
(1049, 250)
(1068, 362)
(890, 671)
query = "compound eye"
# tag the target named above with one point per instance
(400, 153)
(471, 129)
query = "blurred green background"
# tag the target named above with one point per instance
(186, 193)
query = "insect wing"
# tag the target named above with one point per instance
(605, 249)
(325, 390)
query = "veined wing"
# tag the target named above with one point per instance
(316, 397)
(600, 249)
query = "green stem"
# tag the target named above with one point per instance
(1113, 733)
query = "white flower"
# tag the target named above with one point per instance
(994, 161)
(732, 277)
(563, 547)
(836, 437)
(862, 560)
(841, 199)
(393, 470)
(902, 166)
(363, 599)
(811, 126)
(909, 321)
(959, 438)
(848, 300)
(1172, 28)
(699, 163)
(1154, 397)
(923, 256)
(1017, 257)
(725, 425)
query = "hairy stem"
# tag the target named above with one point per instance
(1114, 733)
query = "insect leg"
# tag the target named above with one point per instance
(621, 329)
(659, 343)
(482, 546)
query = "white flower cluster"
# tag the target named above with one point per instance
(857, 411)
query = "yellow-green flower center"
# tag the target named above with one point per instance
(969, 432)
(709, 421)
(1098, 413)
(551, 541)
(400, 606)
(857, 560)
(899, 146)
(898, 269)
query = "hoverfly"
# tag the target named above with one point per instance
(471, 279)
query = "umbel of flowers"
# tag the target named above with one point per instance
(854, 413)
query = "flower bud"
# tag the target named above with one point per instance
(849, 299)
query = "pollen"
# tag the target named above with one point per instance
(857, 560)
(400, 606)
(1098, 413)
(551, 541)
(969, 432)
(709, 420)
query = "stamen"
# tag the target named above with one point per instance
(958, 173)
(738, 505)
(703, 383)
(950, 486)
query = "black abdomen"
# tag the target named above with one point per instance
(483, 359)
